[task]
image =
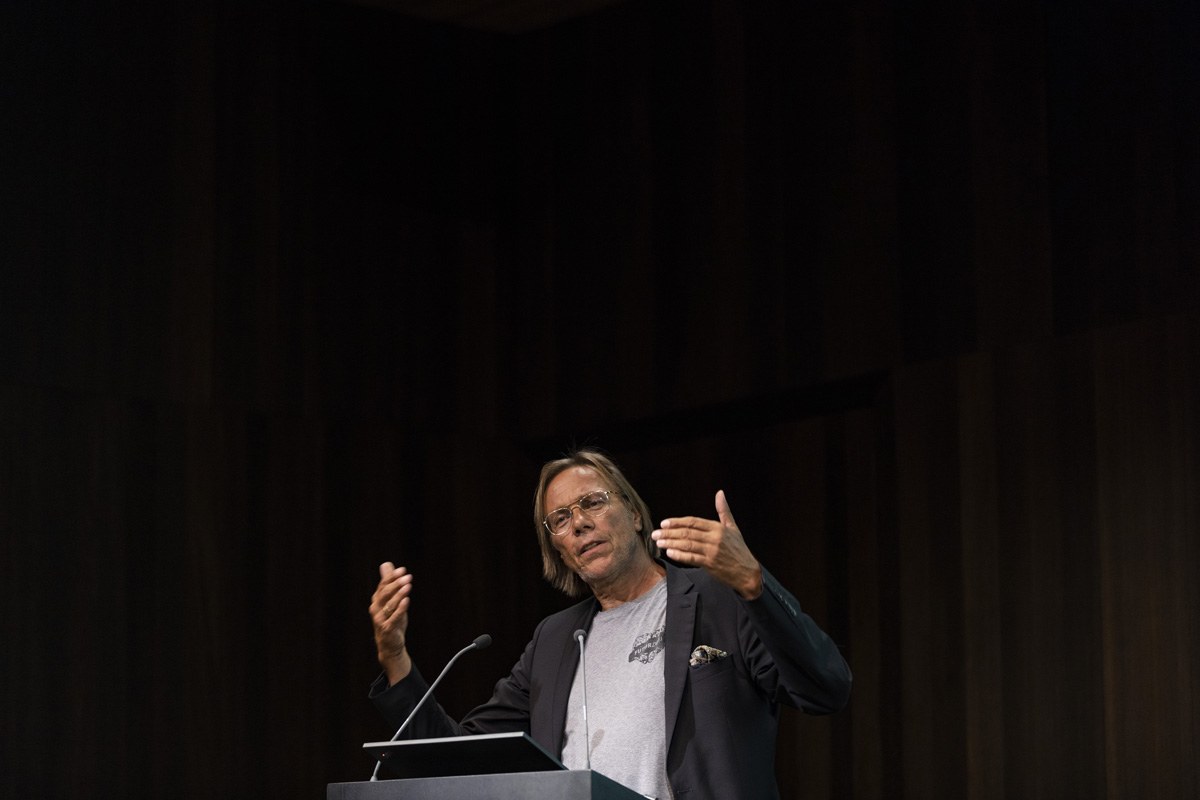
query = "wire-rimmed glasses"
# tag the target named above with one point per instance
(592, 504)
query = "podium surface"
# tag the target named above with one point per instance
(483, 754)
(555, 785)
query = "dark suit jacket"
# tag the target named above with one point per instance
(721, 717)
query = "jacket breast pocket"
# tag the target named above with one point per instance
(706, 672)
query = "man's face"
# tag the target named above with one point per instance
(596, 548)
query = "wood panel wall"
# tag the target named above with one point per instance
(291, 289)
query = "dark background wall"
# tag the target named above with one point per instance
(291, 289)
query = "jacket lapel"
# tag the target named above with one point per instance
(681, 623)
(568, 664)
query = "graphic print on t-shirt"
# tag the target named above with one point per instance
(647, 646)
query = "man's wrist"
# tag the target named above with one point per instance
(752, 589)
(396, 667)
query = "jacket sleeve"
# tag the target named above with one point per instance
(507, 710)
(791, 659)
(397, 701)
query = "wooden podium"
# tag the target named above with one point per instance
(498, 766)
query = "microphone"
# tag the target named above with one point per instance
(481, 641)
(579, 636)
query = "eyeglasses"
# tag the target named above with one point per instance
(592, 504)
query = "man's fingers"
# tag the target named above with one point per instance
(391, 614)
(679, 538)
(681, 534)
(697, 523)
(683, 556)
(391, 596)
(397, 608)
(401, 577)
(389, 571)
(399, 596)
(674, 543)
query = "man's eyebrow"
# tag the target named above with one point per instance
(585, 494)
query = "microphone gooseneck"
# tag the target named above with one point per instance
(579, 636)
(480, 642)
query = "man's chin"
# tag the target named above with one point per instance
(595, 570)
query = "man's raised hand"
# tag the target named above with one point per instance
(389, 617)
(717, 545)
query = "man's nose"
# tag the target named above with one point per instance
(579, 520)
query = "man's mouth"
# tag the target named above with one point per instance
(590, 545)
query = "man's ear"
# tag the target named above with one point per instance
(637, 522)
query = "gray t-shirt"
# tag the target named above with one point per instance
(625, 688)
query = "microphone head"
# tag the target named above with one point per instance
(579, 634)
(482, 641)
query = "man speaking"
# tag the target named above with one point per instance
(688, 657)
